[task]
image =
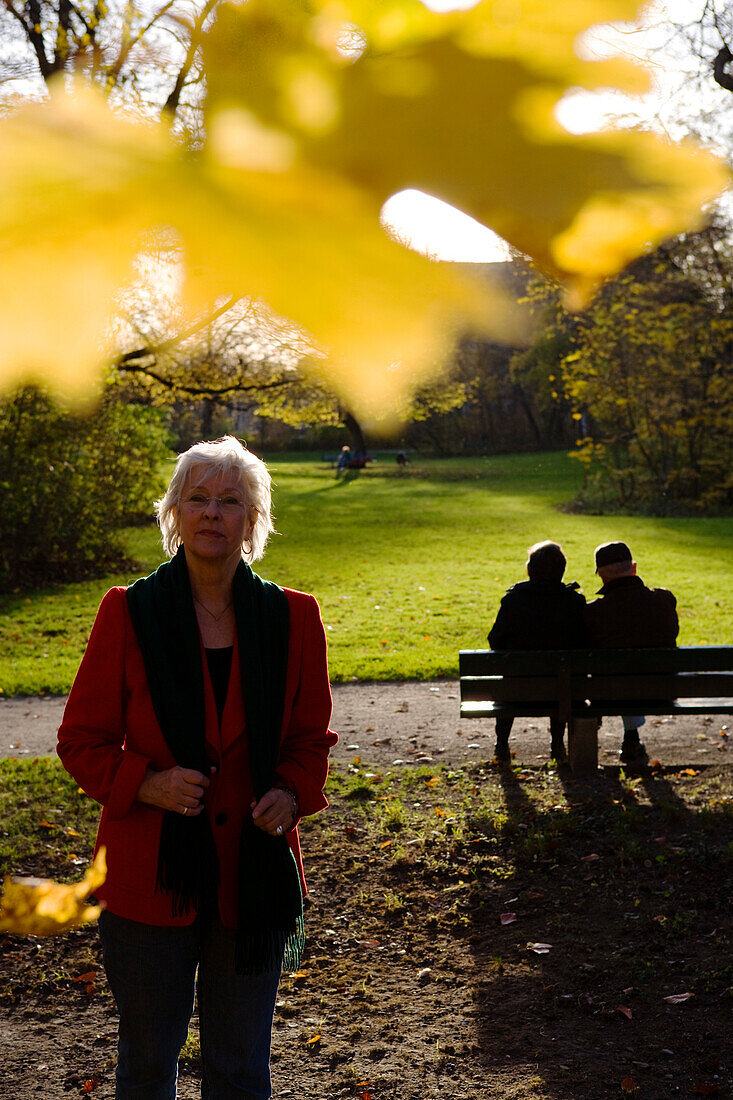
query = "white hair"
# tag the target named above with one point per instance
(223, 456)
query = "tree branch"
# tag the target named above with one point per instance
(720, 65)
(154, 350)
(171, 104)
(203, 391)
(129, 41)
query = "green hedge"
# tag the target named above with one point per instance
(68, 482)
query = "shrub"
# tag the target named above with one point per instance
(69, 481)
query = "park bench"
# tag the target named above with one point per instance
(579, 686)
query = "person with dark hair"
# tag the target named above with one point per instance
(628, 615)
(539, 613)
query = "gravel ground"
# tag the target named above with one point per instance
(413, 722)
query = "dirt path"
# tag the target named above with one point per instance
(410, 722)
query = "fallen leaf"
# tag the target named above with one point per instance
(41, 907)
(678, 998)
(590, 859)
(386, 844)
(540, 948)
(88, 976)
(706, 1090)
(314, 1041)
(623, 1009)
(368, 943)
(508, 918)
(628, 1084)
(532, 895)
(91, 1084)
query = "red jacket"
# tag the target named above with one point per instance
(109, 736)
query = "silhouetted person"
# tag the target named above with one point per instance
(539, 613)
(628, 615)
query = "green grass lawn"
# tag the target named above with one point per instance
(408, 567)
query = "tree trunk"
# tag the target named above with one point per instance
(356, 435)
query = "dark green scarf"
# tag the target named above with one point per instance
(270, 902)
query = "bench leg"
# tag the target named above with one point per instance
(583, 745)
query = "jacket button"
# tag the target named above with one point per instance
(221, 819)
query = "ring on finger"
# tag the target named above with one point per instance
(279, 830)
(184, 811)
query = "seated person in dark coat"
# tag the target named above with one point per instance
(628, 615)
(540, 613)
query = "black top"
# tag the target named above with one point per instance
(220, 667)
(628, 615)
(540, 615)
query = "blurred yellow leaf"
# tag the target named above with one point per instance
(460, 105)
(83, 187)
(316, 113)
(40, 907)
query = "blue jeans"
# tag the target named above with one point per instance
(152, 975)
(632, 721)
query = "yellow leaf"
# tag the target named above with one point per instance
(461, 105)
(40, 907)
(305, 140)
(81, 186)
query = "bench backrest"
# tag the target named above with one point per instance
(562, 677)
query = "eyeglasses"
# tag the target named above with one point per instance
(199, 502)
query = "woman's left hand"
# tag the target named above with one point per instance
(274, 813)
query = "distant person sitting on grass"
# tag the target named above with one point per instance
(539, 613)
(344, 459)
(628, 615)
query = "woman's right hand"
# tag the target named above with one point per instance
(178, 789)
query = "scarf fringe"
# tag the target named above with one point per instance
(263, 951)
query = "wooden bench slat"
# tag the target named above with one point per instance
(676, 686)
(519, 687)
(482, 662)
(549, 708)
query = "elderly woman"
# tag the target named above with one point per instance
(199, 720)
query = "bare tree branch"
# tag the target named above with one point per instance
(720, 69)
(156, 350)
(203, 391)
(171, 103)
